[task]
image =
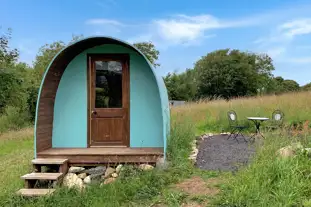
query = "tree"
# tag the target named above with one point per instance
(149, 50)
(181, 86)
(45, 55)
(306, 87)
(231, 73)
(290, 86)
(282, 86)
(8, 56)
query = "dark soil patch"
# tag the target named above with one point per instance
(218, 153)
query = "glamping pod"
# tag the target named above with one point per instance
(100, 101)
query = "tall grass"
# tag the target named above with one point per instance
(212, 115)
(270, 180)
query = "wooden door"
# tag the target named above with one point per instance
(109, 100)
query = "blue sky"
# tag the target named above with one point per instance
(182, 30)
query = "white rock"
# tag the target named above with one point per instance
(109, 180)
(118, 169)
(109, 171)
(286, 152)
(87, 180)
(75, 169)
(145, 167)
(82, 175)
(71, 180)
(114, 175)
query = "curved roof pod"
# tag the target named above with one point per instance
(53, 74)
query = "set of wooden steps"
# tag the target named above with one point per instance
(31, 178)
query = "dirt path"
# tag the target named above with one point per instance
(218, 153)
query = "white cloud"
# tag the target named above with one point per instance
(296, 27)
(184, 28)
(275, 52)
(300, 60)
(101, 21)
(187, 30)
(280, 42)
(176, 30)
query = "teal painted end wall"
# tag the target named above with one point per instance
(149, 112)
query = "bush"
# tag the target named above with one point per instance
(32, 101)
(11, 90)
(13, 118)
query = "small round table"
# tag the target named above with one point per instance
(257, 121)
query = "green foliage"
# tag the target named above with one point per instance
(291, 85)
(13, 118)
(149, 50)
(181, 86)
(10, 88)
(7, 56)
(46, 53)
(232, 73)
(306, 87)
(279, 85)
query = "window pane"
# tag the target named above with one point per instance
(108, 92)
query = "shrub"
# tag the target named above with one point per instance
(13, 118)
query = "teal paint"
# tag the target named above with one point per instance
(154, 106)
(70, 109)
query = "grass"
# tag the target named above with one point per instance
(16, 151)
(270, 180)
(267, 181)
(139, 189)
(212, 116)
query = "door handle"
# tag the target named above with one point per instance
(94, 112)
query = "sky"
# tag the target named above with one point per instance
(182, 30)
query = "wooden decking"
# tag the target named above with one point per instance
(100, 155)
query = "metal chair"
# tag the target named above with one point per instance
(236, 128)
(277, 120)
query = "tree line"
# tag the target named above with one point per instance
(228, 74)
(222, 73)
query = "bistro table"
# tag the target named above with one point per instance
(257, 121)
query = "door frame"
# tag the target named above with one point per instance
(125, 58)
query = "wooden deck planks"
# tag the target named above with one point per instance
(49, 161)
(100, 155)
(42, 176)
(34, 192)
(103, 151)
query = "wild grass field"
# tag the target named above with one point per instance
(267, 181)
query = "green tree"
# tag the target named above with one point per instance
(45, 55)
(181, 86)
(231, 73)
(306, 87)
(150, 51)
(290, 86)
(8, 57)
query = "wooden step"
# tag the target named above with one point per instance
(34, 192)
(49, 161)
(42, 176)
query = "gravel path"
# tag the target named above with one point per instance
(218, 153)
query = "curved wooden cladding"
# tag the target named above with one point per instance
(49, 87)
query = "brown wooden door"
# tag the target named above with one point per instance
(109, 100)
